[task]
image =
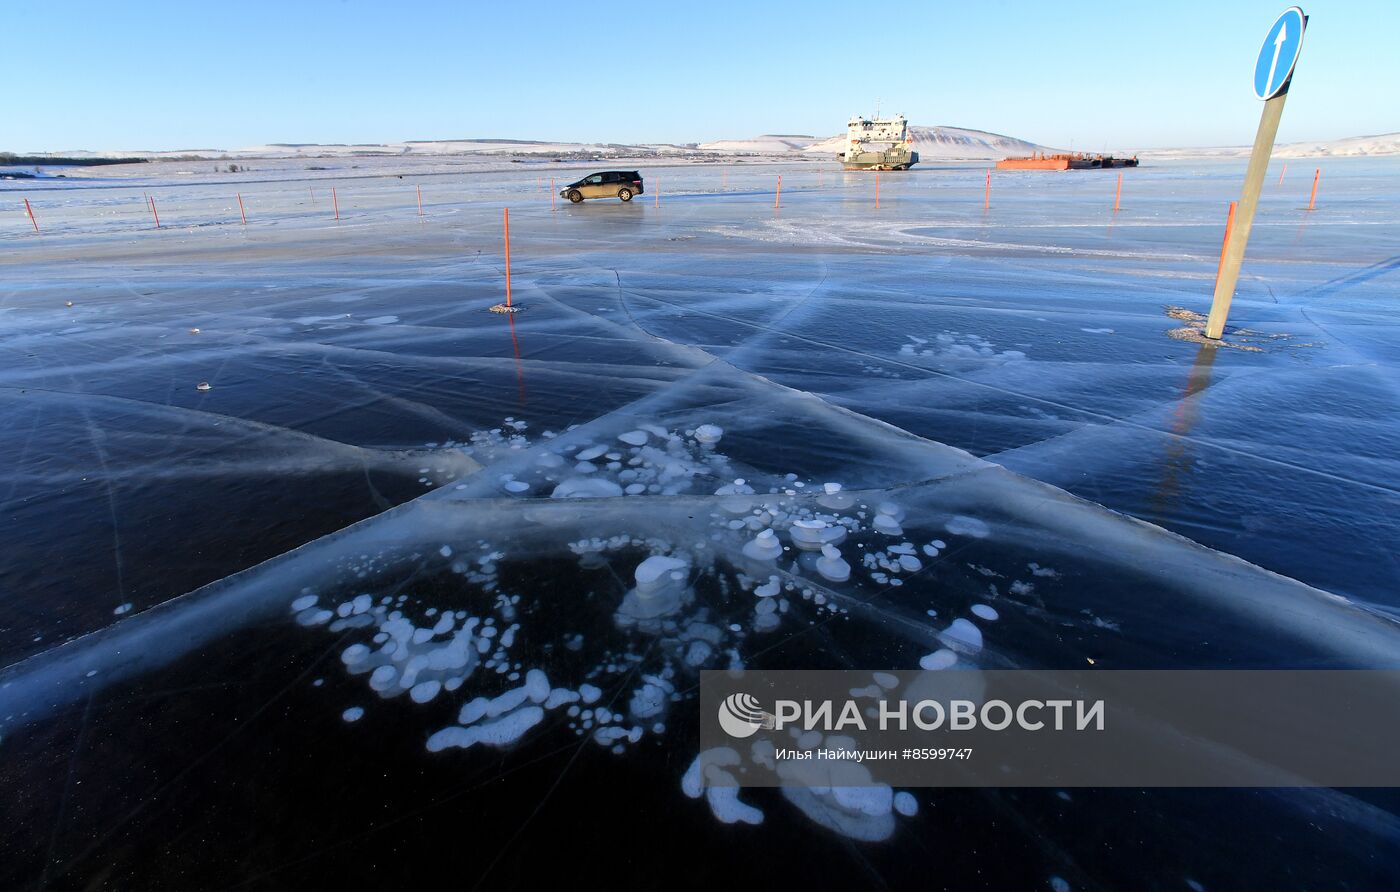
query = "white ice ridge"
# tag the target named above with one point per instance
(269, 449)
(968, 526)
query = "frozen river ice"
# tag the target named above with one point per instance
(413, 572)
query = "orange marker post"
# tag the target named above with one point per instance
(656, 196)
(507, 219)
(242, 213)
(335, 202)
(987, 196)
(1229, 225)
(420, 200)
(154, 212)
(1119, 194)
(1312, 202)
(1282, 172)
(29, 210)
(778, 196)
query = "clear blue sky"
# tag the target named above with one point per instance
(171, 75)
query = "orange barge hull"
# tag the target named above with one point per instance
(1033, 164)
(1066, 162)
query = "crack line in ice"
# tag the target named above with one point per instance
(1005, 391)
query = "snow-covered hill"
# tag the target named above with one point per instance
(932, 144)
(1354, 147)
(1384, 144)
(947, 143)
(769, 144)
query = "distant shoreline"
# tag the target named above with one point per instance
(7, 159)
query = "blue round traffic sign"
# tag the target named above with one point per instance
(1279, 53)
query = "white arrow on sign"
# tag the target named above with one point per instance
(1278, 48)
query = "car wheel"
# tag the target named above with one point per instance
(624, 194)
(575, 196)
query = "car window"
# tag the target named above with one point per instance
(596, 178)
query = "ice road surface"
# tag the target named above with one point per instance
(299, 537)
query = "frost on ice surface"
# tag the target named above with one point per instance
(951, 349)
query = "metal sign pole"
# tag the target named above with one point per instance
(1244, 216)
(1273, 74)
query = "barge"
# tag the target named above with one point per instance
(1066, 161)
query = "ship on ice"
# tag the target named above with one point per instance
(879, 144)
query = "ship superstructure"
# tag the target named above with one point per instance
(879, 144)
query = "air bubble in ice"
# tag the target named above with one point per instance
(831, 566)
(298, 605)
(963, 632)
(498, 733)
(764, 547)
(425, 691)
(708, 433)
(811, 535)
(939, 659)
(586, 488)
